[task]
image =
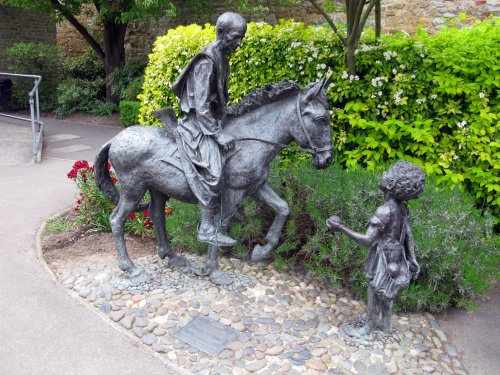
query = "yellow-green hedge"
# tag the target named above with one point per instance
(430, 99)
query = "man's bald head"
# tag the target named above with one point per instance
(228, 22)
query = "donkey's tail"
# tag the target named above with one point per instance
(103, 178)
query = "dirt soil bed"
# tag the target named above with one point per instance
(81, 248)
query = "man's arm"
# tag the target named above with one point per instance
(200, 82)
(199, 89)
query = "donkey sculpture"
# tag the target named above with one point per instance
(265, 121)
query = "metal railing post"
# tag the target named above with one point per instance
(37, 127)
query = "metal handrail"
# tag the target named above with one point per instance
(37, 127)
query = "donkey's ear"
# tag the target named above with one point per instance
(327, 81)
(314, 90)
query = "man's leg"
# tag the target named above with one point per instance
(209, 230)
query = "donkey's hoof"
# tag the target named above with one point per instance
(176, 260)
(139, 276)
(199, 269)
(220, 278)
(162, 253)
(127, 265)
(260, 252)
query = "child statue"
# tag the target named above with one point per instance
(391, 263)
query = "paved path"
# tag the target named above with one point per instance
(45, 331)
(477, 335)
(42, 329)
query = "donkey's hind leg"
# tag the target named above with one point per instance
(157, 212)
(129, 198)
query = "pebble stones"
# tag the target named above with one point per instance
(287, 323)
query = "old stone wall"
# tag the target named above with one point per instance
(142, 34)
(397, 15)
(18, 25)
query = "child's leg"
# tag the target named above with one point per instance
(386, 310)
(373, 313)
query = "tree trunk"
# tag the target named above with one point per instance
(378, 19)
(114, 51)
(350, 60)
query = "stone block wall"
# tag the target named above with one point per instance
(142, 34)
(397, 15)
(18, 25)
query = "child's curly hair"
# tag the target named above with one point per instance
(404, 180)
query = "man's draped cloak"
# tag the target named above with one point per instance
(202, 90)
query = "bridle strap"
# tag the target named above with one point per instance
(308, 136)
(313, 150)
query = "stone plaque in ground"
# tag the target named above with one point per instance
(207, 335)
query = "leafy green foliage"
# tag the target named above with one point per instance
(129, 112)
(87, 66)
(121, 10)
(103, 107)
(126, 82)
(455, 246)
(75, 95)
(84, 87)
(37, 59)
(431, 99)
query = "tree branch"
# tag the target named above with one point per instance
(365, 16)
(329, 20)
(356, 21)
(79, 27)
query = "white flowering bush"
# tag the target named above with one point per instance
(432, 100)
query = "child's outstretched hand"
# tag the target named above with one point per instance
(333, 223)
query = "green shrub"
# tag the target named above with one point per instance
(87, 66)
(455, 246)
(84, 87)
(37, 59)
(432, 99)
(126, 82)
(103, 108)
(75, 94)
(129, 112)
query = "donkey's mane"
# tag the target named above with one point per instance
(263, 95)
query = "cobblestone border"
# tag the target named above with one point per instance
(287, 323)
(172, 368)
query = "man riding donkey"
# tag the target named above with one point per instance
(202, 90)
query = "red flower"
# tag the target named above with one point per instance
(132, 216)
(148, 222)
(145, 213)
(81, 166)
(109, 166)
(168, 211)
(76, 209)
(113, 180)
(72, 174)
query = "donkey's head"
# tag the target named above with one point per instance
(315, 132)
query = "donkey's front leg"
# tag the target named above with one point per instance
(269, 197)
